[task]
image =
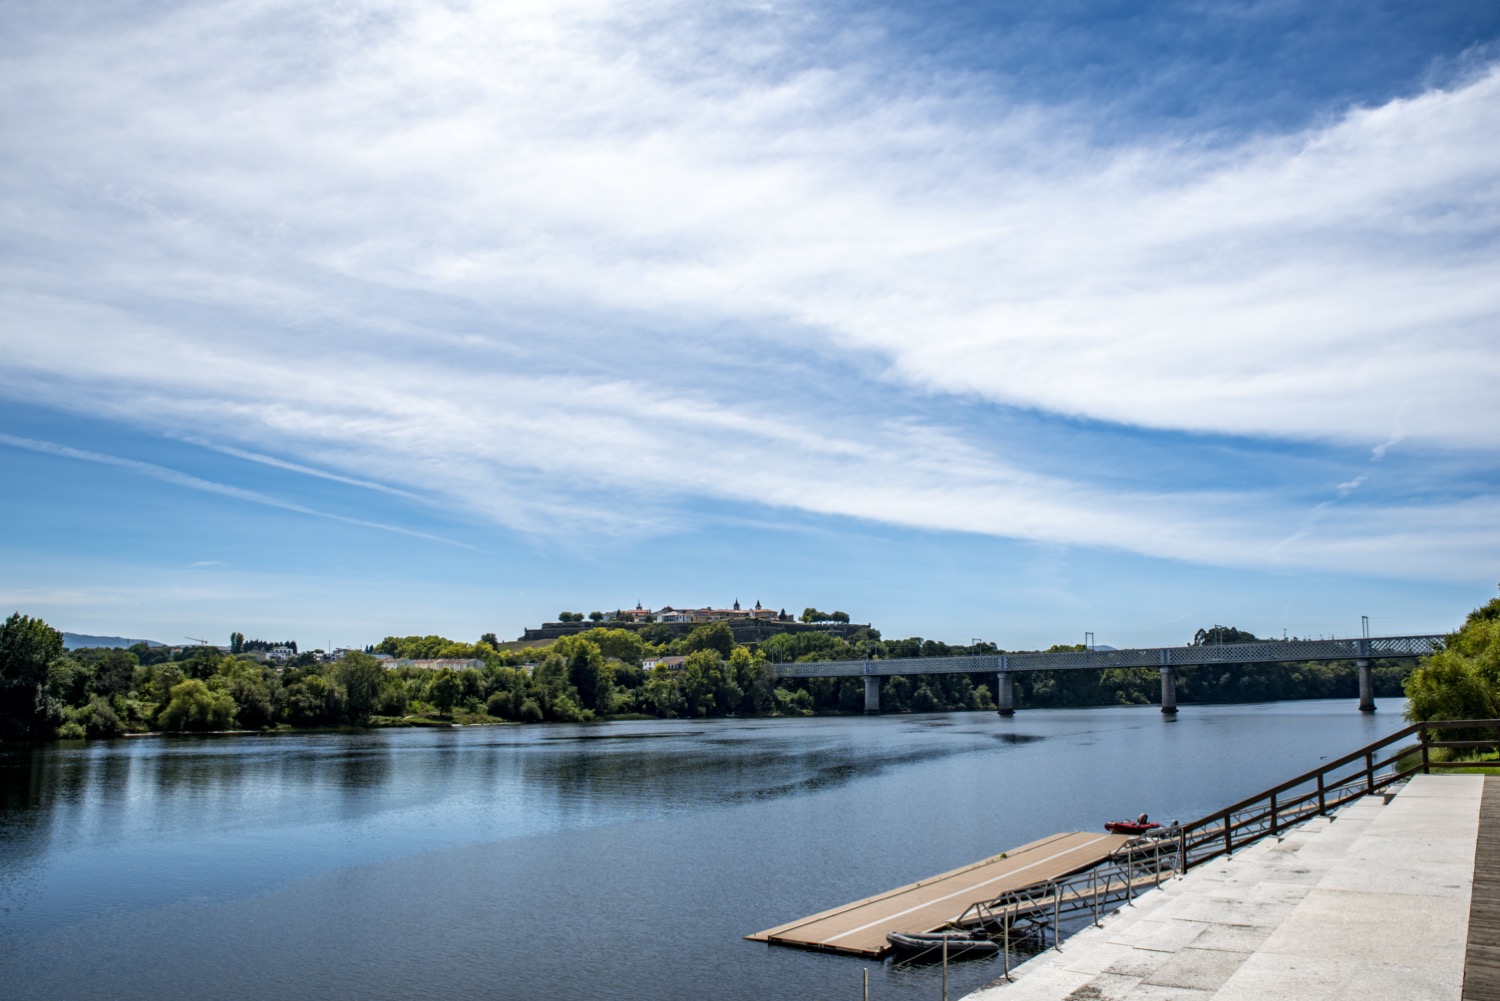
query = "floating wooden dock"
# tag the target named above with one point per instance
(860, 928)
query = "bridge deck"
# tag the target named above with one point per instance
(1259, 652)
(927, 905)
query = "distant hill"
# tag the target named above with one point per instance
(75, 641)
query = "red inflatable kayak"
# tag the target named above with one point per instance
(1130, 827)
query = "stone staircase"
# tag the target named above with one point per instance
(1372, 902)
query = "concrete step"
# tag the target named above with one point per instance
(1291, 917)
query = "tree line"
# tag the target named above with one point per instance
(599, 673)
(1462, 679)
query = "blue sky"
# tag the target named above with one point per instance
(994, 321)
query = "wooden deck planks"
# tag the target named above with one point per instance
(1482, 958)
(927, 905)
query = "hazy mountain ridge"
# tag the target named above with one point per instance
(75, 641)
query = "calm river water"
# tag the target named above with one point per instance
(606, 861)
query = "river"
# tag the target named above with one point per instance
(601, 861)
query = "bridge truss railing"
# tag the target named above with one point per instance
(1267, 652)
(982, 664)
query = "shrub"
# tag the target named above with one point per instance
(798, 703)
(98, 719)
(1462, 680)
(196, 707)
(393, 700)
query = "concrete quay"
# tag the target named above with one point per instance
(1372, 902)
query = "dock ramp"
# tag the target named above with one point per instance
(860, 928)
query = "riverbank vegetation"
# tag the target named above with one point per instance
(603, 672)
(1461, 682)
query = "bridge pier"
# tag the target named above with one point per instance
(872, 694)
(1005, 693)
(1168, 692)
(1366, 687)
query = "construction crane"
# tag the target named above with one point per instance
(196, 640)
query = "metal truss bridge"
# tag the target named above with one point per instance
(1165, 659)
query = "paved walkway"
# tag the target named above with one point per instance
(1371, 903)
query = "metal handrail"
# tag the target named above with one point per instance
(1176, 849)
(1137, 865)
(1272, 810)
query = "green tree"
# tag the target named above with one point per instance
(422, 647)
(148, 654)
(200, 662)
(67, 682)
(251, 686)
(982, 699)
(194, 706)
(658, 633)
(924, 700)
(794, 702)
(624, 645)
(562, 706)
(362, 679)
(552, 671)
(113, 671)
(27, 647)
(393, 698)
(1462, 680)
(443, 689)
(662, 693)
(96, 718)
(500, 705)
(710, 689)
(585, 672)
(784, 648)
(154, 682)
(716, 636)
(312, 700)
(753, 681)
(1223, 634)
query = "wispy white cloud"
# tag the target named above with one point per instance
(572, 267)
(1379, 451)
(295, 467)
(191, 482)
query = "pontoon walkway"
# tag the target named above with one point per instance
(860, 928)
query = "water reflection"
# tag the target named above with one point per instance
(617, 861)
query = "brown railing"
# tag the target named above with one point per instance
(1360, 773)
(1143, 862)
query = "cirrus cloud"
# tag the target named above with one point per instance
(531, 259)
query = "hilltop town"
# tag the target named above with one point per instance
(749, 625)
